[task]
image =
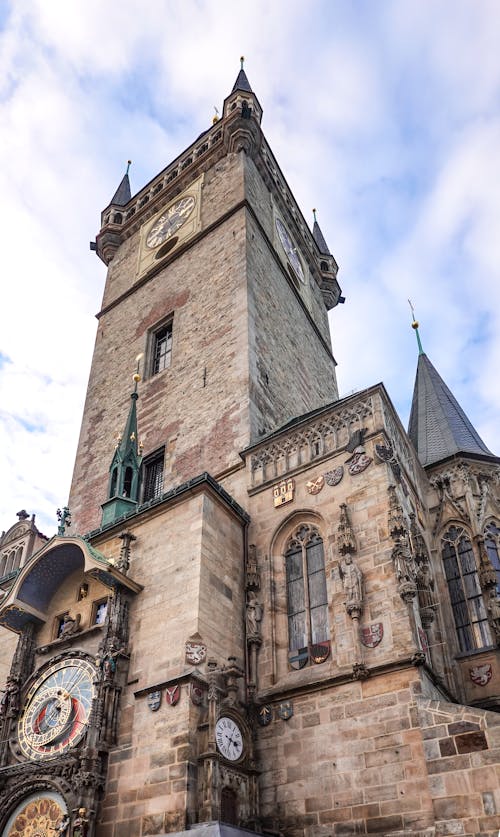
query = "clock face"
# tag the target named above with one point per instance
(170, 221)
(229, 739)
(57, 709)
(290, 249)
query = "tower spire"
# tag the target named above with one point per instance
(242, 82)
(319, 237)
(123, 193)
(438, 427)
(124, 472)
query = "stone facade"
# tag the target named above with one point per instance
(271, 634)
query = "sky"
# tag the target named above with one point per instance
(384, 115)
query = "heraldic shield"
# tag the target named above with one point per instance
(320, 651)
(372, 634)
(298, 657)
(154, 700)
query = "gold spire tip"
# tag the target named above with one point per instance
(242, 60)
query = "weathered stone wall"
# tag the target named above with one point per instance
(190, 560)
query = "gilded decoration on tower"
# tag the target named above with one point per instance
(283, 492)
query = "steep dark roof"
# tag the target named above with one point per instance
(438, 426)
(123, 193)
(320, 240)
(242, 83)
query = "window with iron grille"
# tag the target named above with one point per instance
(161, 348)
(469, 612)
(306, 590)
(153, 476)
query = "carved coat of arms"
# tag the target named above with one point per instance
(298, 658)
(334, 477)
(196, 694)
(384, 452)
(265, 716)
(372, 634)
(283, 492)
(196, 652)
(481, 675)
(285, 710)
(154, 700)
(320, 651)
(172, 694)
(315, 486)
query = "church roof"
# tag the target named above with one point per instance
(242, 83)
(320, 239)
(438, 426)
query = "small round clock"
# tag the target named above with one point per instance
(290, 249)
(57, 708)
(170, 221)
(229, 738)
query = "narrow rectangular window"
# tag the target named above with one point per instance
(153, 476)
(161, 350)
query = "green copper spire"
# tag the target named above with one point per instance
(125, 469)
(414, 325)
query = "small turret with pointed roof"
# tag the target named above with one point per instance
(319, 238)
(242, 100)
(123, 193)
(124, 472)
(438, 426)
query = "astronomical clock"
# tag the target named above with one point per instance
(60, 704)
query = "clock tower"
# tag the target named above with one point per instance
(271, 610)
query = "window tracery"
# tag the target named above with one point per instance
(306, 589)
(469, 611)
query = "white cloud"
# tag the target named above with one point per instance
(383, 116)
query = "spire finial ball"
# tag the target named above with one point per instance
(136, 377)
(414, 324)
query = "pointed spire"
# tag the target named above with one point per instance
(438, 426)
(124, 472)
(242, 82)
(123, 193)
(319, 238)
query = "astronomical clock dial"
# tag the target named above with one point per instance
(229, 739)
(290, 250)
(170, 221)
(57, 708)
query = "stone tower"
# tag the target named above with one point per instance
(275, 610)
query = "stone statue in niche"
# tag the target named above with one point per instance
(9, 704)
(425, 586)
(352, 582)
(493, 607)
(80, 825)
(254, 616)
(69, 625)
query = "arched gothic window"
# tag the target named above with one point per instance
(306, 589)
(469, 612)
(492, 543)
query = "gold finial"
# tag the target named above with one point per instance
(414, 325)
(132, 437)
(215, 117)
(314, 213)
(129, 163)
(242, 60)
(136, 377)
(141, 446)
(415, 322)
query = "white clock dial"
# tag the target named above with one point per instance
(229, 739)
(170, 221)
(290, 249)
